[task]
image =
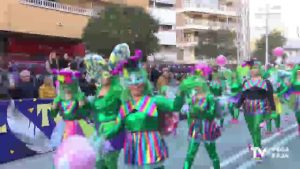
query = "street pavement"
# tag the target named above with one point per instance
(232, 149)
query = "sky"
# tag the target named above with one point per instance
(287, 21)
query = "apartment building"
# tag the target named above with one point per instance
(194, 16)
(36, 27)
(164, 12)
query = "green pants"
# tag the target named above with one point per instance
(235, 112)
(253, 122)
(110, 161)
(193, 149)
(277, 123)
(297, 114)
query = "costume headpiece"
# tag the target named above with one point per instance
(98, 68)
(68, 80)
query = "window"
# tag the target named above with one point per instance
(165, 27)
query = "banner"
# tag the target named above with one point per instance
(25, 128)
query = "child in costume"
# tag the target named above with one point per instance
(70, 103)
(144, 145)
(106, 104)
(257, 100)
(202, 127)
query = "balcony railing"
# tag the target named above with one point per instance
(222, 9)
(59, 7)
(211, 24)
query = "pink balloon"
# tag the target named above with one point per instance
(279, 51)
(221, 60)
(75, 153)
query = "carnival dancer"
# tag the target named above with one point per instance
(235, 93)
(70, 103)
(217, 88)
(280, 89)
(258, 102)
(144, 146)
(202, 127)
(295, 94)
(106, 104)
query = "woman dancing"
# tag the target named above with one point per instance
(202, 127)
(257, 100)
(106, 104)
(144, 146)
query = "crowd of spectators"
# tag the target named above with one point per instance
(18, 83)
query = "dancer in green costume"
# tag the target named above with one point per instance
(295, 95)
(106, 104)
(202, 127)
(235, 84)
(258, 103)
(144, 146)
(217, 88)
(280, 89)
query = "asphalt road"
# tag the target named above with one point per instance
(232, 149)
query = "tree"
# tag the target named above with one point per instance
(276, 39)
(121, 24)
(215, 42)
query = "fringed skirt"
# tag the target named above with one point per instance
(65, 129)
(278, 104)
(294, 101)
(222, 106)
(255, 107)
(144, 148)
(204, 130)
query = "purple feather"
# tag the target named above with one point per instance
(55, 71)
(77, 74)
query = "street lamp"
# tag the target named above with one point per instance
(267, 14)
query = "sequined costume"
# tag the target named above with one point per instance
(70, 104)
(217, 88)
(144, 145)
(258, 103)
(280, 89)
(235, 93)
(295, 93)
(202, 126)
(106, 107)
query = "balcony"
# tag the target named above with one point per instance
(188, 42)
(200, 8)
(167, 37)
(43, 18)
(199, 24)
(58, 7)
(164, 16)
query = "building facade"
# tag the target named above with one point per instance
(194, 16)
(164, 12)
(37, 27)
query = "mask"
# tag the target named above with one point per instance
(134, 78)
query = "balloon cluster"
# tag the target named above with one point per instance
(75, 153)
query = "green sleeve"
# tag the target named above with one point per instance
(54, 112)
(169, 105)
(211, 112)
(284, 89)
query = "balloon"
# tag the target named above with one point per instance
(279, 51)
(221, 60)
(75, 153)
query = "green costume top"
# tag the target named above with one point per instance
(144, 115)
(106, 108)
(295, 82)
(217, 86)
(69, 109)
